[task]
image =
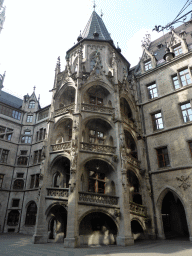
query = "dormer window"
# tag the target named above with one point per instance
(148, 65)
(177, 50)
(32, 104)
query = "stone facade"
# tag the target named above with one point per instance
(109, 161)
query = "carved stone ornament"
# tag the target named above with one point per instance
(184, 182)
(73, 159)
(117, 213)
(96, 47)
(123, 158)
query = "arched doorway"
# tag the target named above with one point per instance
(137, 230)
(173, 217)
(97, 228)
(57, 224)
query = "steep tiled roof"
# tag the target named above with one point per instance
(96, 24)
(10, 100)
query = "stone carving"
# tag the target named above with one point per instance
(97, 108)
(97, 198)
(66, 109)
(123, 158)
(61, 146)
(117, 213)
(137, 209)
(184, 182)
(73, 158)
(97, 148)
(63, 192)
(95, 47)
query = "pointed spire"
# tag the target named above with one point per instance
(96, 24)
(58, 65)
(34, 89)
(79, 37)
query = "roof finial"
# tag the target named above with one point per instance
(34, 88)
(94, 5)
(102, 14)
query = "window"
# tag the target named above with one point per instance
(4, 155)
(27, 132)
(20, 175)
(29, 118)
(96, 137)
(13, 218)
(32, 104)
(37, 136)
(95, 100)
(157, 121)
(190, 146)
(26, 139)
(18, 184)
(1, 180)
(186, 112)
(163, 157)
(185, 77)
(22, 160)
(5, 133)
(37, 156)
(15, 203)
(40, 135)
(176, 82)
(31, 214)
(147, 65)
(177, 50)
(97, 182)
(43, 115)
(7, 111)
(23, 152)
(152, 91)
(34, 181)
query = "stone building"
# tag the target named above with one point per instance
(109, 161)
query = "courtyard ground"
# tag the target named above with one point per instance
(21, 245)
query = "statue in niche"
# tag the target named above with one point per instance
(73, 158)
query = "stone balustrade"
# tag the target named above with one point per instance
(65, 109)
(97, 148)
(58, 192)
(88, 197)
(97, 108)
(128, 121)
(133, 161)
(61, 146)
(138, 209)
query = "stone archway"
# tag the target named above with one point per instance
(137, 230)
(57, 225)
(97, 228)
(173, 217)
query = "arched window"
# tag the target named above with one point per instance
(32, 104)
(18, 184)
(13, 218)
(31, 214)
(56, 180)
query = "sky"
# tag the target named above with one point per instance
(36, 32)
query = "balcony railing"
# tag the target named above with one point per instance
(97, 108)
(133, 161)
(65, 109)
(88, 197)
(98, 148)
(61, 146)
(138, 209)
(58, 192)
(128, 121)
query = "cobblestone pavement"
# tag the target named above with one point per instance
(19, 245)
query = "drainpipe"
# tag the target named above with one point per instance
(147, 153)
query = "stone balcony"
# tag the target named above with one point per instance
(138, 209)
(128, 121)
(61, 146)
(133, 161)
(97, 148)
(65, 109)
(97, 109)
(58, 193)
(97, 199)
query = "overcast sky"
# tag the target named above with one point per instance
(36, 32)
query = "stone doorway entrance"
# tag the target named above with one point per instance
(97, 229)
(57, 224)
(173, 217)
